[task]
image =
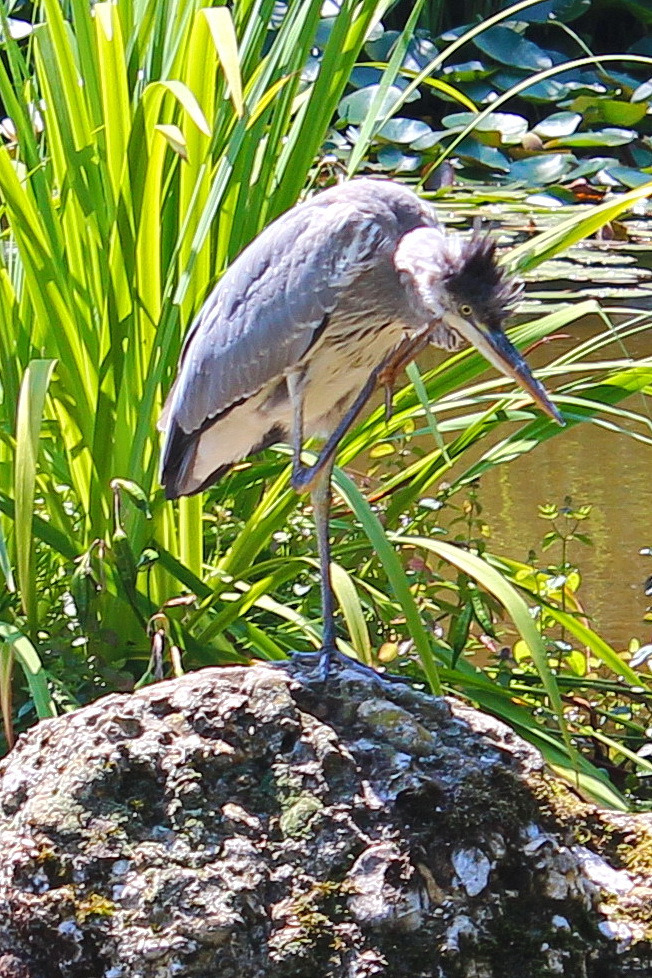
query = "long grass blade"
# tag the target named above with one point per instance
(30, 411)
(29, 661)
(386, 553)
(513, 603)
(349, 601)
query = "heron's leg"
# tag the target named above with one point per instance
(305, 476)
(404, 354)
(320, 496)
(317, 478)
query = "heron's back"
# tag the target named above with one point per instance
(316, 293)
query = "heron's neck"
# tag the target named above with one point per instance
(424, 258)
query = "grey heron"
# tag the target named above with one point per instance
(333, 298)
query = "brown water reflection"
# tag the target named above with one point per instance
(614, 476)
(609, 471)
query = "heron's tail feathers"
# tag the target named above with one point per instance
(178, 475)
(192, 462)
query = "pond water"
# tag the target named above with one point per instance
(612, 474)
(609, 471)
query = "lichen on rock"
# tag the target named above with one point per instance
(257, 823)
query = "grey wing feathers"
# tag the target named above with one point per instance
(262, 316)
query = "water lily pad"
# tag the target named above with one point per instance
(330, 9)
(642, 46)
(467, 71)
(495, 129)
(641, 155)
(548, 199)
(558, 124)
(421, 50)
(453, 33)
(472, 151)
(580, 82)
(643, 92)
(510, 48)
(536, 171)
(427, 141)
(394, 159)
(324, 31)
(480, 92)
(404, 130)
(494, 122)
(354, 107)
(363, 76)
(604, 137)
(549, 90)
(620, 81)
(554, 196)
(18, 29)
(628, 175)
(564, 10)
(612, 111)
(380, 48)
(588, 168)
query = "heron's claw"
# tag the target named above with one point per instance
(329, 654)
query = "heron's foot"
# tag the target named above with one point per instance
(327, 655)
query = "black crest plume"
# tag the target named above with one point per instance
(482, 283)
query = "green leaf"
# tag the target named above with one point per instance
(576, 227)
(558, 124)
(601, 649)
(28, 425)
(511, 48)
(495, 584)
(536, 171)
(29, 661)
(576, 662)
(354, 107)
(605, 137)
(5, 563)
(612, 111)
(583, 538)
(137, 495)
(564, 10)
(627, 175)
(395, 573)
(349, 602)
(222, 31)
(459, 631)
(549, 539)
(405, 131)
(488, 157)
(175, 139)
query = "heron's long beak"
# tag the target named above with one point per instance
(496, 348)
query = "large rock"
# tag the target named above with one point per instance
(247, 822)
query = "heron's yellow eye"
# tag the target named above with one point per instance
(465, 310)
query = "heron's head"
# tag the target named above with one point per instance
(460, 285)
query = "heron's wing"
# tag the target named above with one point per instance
(270, 305)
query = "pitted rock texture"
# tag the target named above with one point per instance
(255, 823)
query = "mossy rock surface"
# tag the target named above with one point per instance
(256, 823)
